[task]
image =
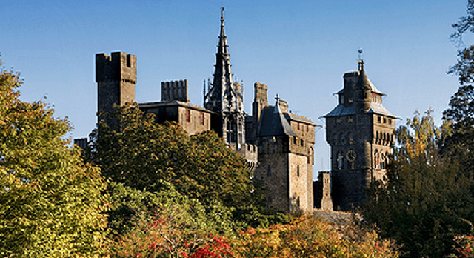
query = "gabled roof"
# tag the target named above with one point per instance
(274, 123)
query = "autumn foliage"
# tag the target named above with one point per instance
(51, 203)
(303, 237)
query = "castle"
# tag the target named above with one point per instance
(277, 144)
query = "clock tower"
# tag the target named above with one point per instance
(360, 132)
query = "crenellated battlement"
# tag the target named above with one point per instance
(174, 90)
(118, 66)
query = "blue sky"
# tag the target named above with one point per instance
(300, 49)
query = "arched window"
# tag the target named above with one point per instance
(340, 161)
(382, 160)
(376, 158)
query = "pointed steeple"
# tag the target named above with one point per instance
(225, 97)
(222, 94)
(222, 46)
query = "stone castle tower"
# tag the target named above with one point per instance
(225, 97)
(285, 152)
(116, 76)
(360, 132)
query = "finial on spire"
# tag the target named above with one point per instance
(222, 15)
(360, 62)
(277, 98)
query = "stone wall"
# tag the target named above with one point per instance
(174, 90)
(116, 76)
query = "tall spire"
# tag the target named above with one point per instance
(222, 92)
(222, 45)
(225, 96)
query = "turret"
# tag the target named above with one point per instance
(116, 76)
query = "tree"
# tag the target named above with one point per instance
(464, 68)
(457, 142)
(134, 150)
(51, 203)
(426, 202)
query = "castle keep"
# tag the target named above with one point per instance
(360, 132)
(278, 145)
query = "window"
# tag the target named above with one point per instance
(376, 159)
(382, 161)
(188, 115)
(340, 161)
(297, 170)
(302, 142)
(201, 118)
(379, 119)
(294, 140)
(298, 125)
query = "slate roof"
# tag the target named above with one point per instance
(292, 116)
(372, 87)
(340, 110)
(375, 108)
(274, 123)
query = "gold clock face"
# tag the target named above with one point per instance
(351, 155)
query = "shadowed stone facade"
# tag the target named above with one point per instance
(322, 191)
(286, 153)
(278, 145)
(116, 76)
(360, 132)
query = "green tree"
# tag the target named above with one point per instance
(426, 202)
(457, 140)
(51, 203)
(134, 150)
(464, 68)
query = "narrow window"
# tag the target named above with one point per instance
(340, 161)
(188, 115)
(376, 158)
(201, 117)
(297, 170)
